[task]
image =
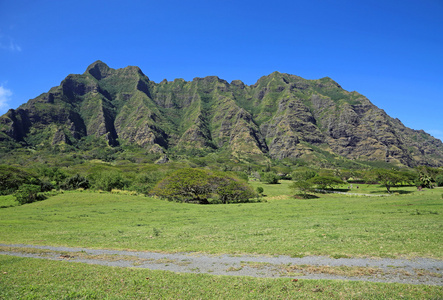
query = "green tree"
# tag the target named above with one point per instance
(303, 174)
(408, 177)
(195, 185)
(429, 171)
(388, 178)
(185, 185)
(302, 187)
(324, 182)
(439, 180)
(346, 174)
(425, 180)
(230, 190)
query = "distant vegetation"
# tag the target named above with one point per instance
(222, 181)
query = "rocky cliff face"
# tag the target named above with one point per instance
(281, 116)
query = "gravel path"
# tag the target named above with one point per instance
(413, 271)
(352, 194)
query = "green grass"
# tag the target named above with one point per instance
(29, 278)
(405, 225)
(7, 201)
(401, 225)
(271, 191)
(376, 189)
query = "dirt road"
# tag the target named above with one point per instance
(411, 271)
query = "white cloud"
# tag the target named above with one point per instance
(5, 95)
(7, 43)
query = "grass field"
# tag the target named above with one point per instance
(406, 224)
(28, 278)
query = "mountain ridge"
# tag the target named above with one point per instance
(280, 116)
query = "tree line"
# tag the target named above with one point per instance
(201, 185)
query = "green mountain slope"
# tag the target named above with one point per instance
(281, 116)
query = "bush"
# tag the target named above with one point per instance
(46, 186)
(76, 182)
(439, 180)
(145, 182)
(51, 174)
(107, 181)
(242, 175)
(269, 178)
(424, 180)
(259, 190)
(28, 193)
(12, 178)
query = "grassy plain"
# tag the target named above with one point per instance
(407, 224)
(28, 278)
(403, 225)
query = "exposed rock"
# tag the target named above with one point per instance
(60, 137)
(164, 159)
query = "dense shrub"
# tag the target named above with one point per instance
(269, 178)
(260, 190)
(46, 186)
(12, 178)
(439, 180)
(424, 180)
(53, 175)
(145, 182)
(76, 182)
(109, 180)
(242, 175)
(28, 193)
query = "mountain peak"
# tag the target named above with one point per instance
(329, 81)
(98, 70)
(134, 70)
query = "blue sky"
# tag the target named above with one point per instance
(389, 51)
